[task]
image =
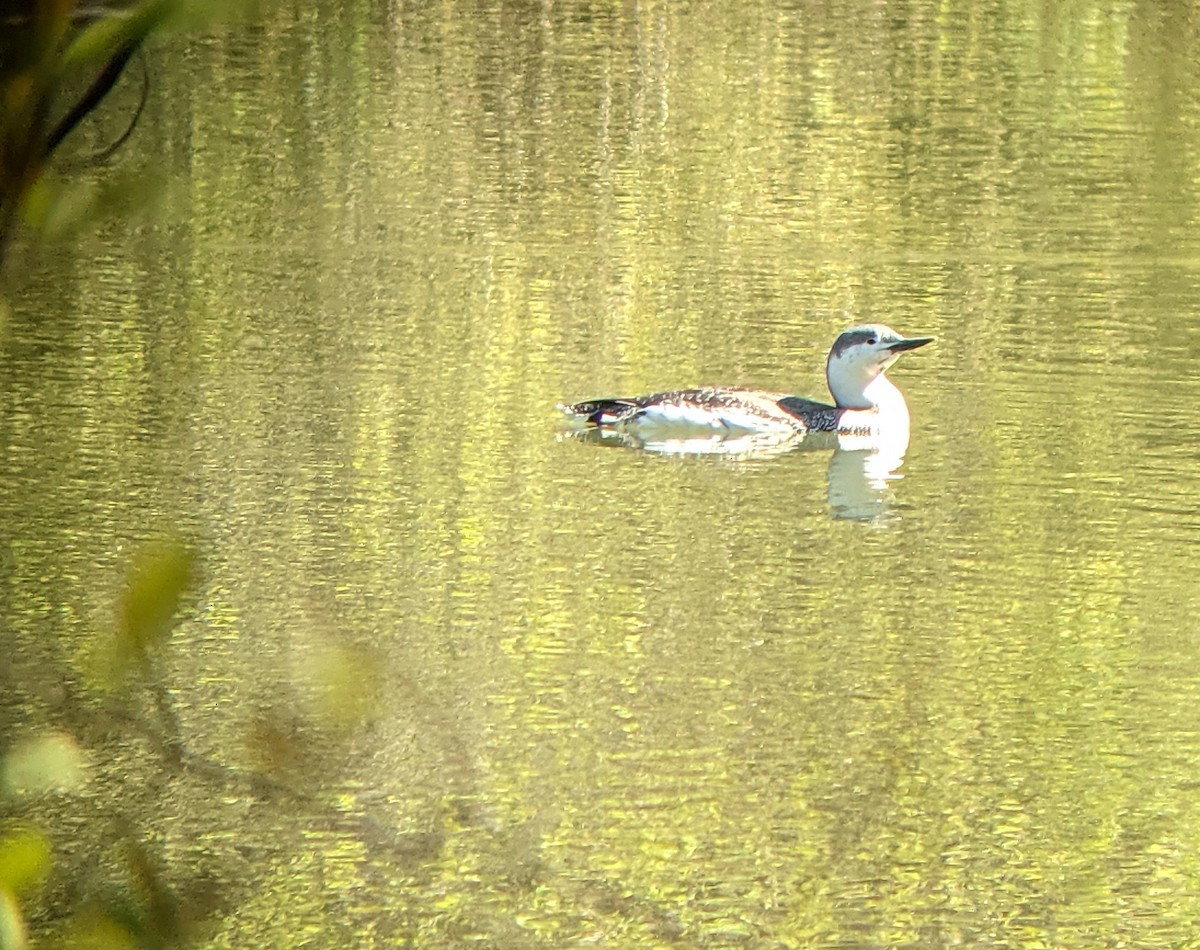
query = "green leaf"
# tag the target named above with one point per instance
(24, 860)
(99, 41)
(155, 584)
(47, 762)
(12, 924)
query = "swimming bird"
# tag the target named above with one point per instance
(866, 402)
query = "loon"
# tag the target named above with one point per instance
(866, 402)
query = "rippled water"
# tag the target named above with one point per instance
(582, 693)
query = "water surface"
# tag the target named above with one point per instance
(602, 696)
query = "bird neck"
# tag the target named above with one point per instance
(859, 391)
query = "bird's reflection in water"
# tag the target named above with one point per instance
(862, 470)
(861, 473)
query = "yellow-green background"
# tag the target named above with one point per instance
(586, 696)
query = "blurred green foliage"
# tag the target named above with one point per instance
(144, 912)
(46, 762)
(24, 863)
(138, 901)
(24, 860)
(156, 582)
(50, 49)
(67, 873)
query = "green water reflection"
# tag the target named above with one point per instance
(600, 696)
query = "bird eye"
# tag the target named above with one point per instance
(871, 341)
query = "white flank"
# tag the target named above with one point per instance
(684, 420)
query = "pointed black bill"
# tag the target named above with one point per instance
(910, 344)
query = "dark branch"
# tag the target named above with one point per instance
(96, 92)
(107, 152)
